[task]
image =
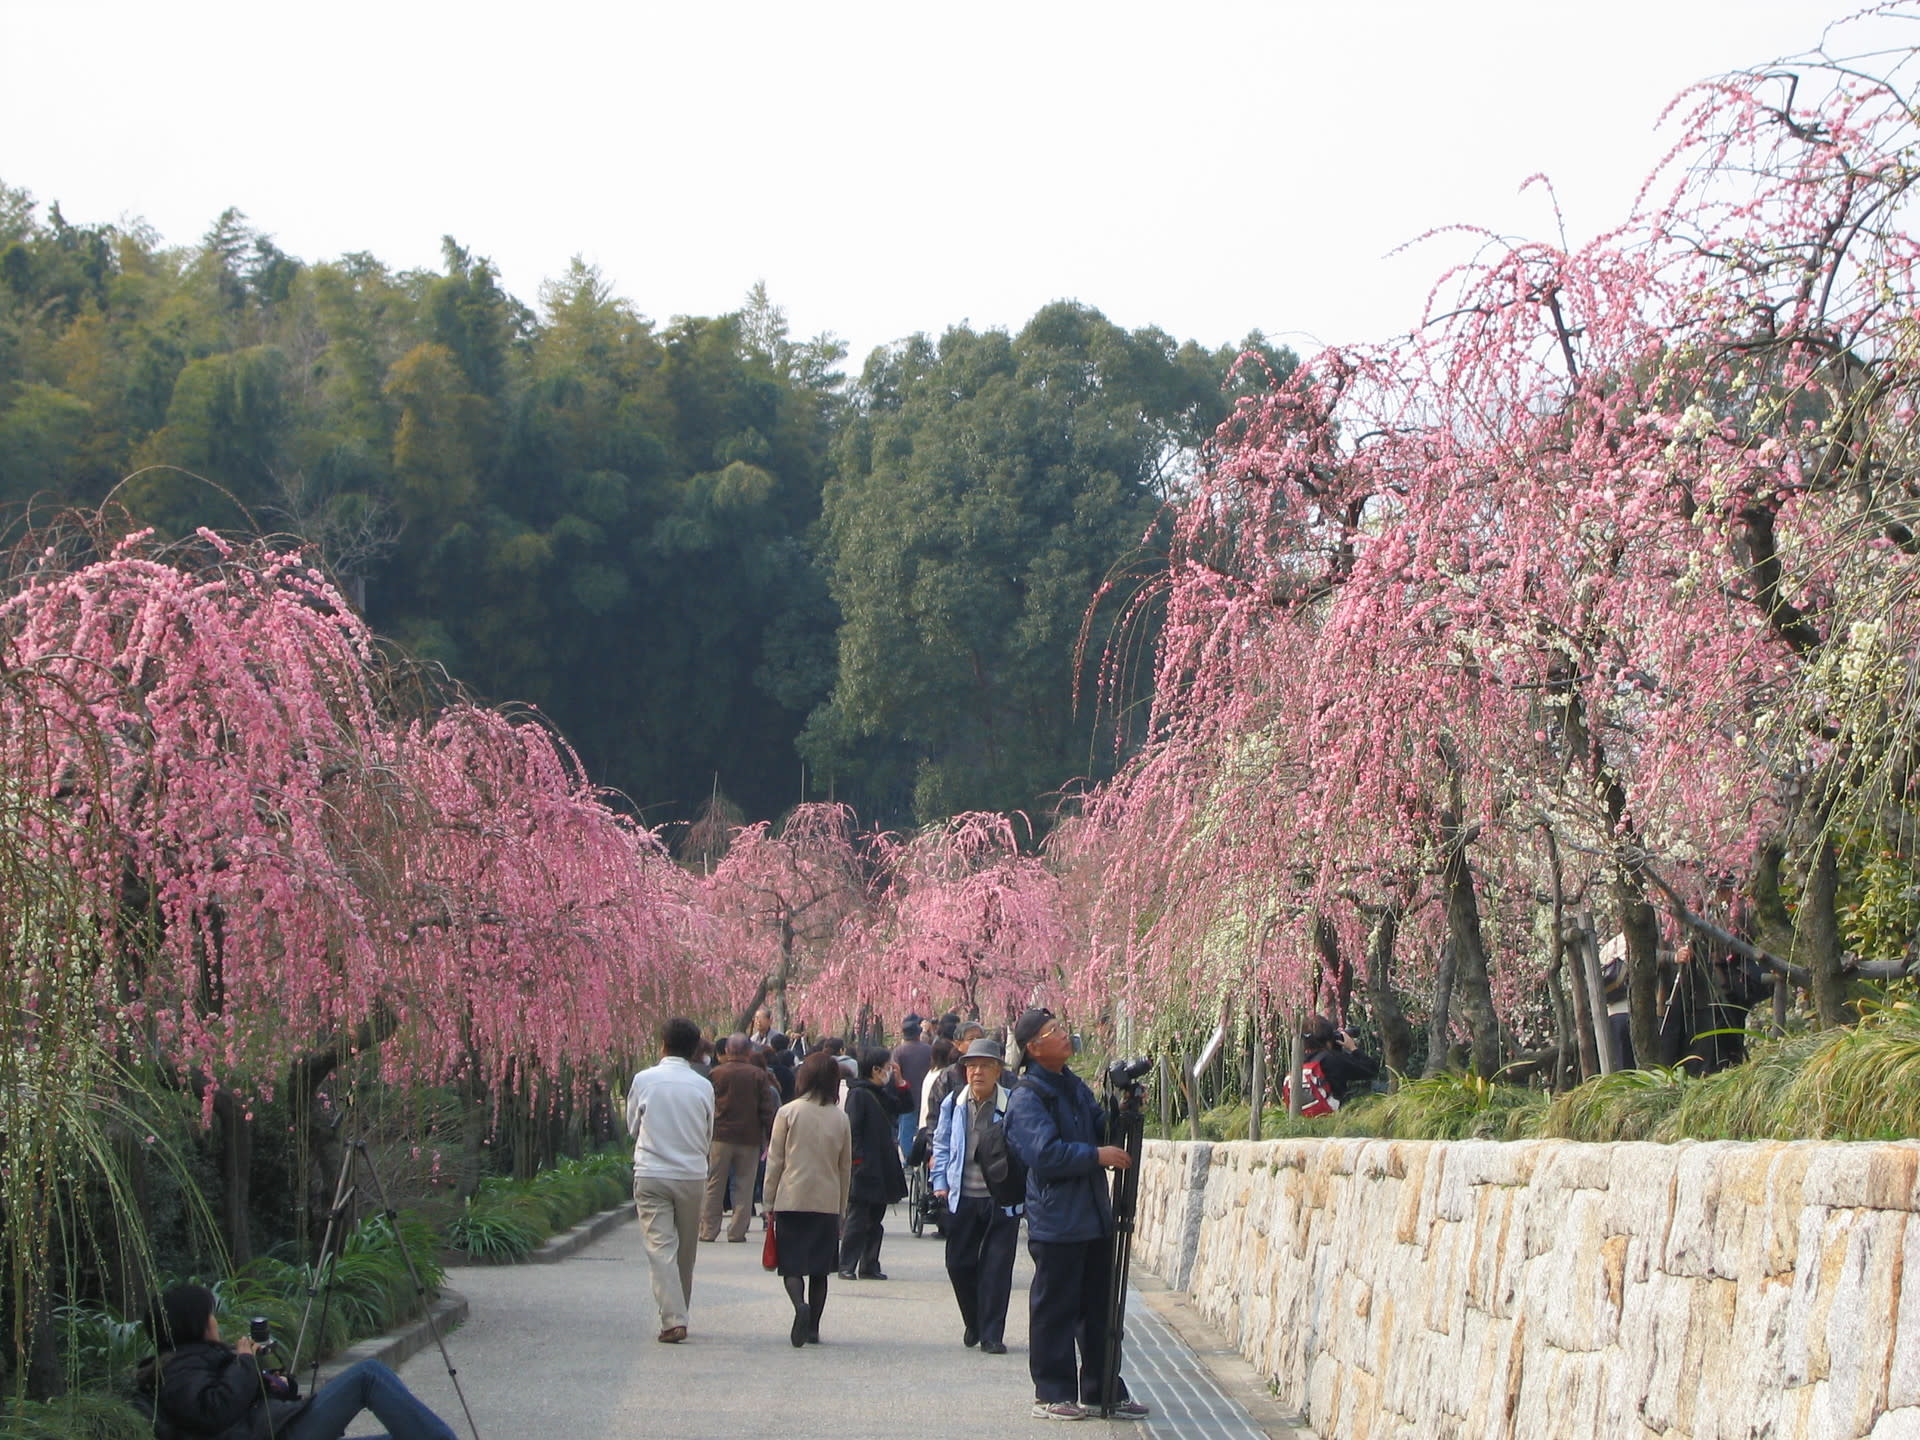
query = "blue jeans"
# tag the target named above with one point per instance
(909, 1126)
(368, 1385)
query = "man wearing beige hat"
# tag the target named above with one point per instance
(981, 1232)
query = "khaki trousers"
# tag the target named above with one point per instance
(669, 1212)
(742, 1162)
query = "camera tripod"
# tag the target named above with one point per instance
(355, 1157)
(1126, 1127)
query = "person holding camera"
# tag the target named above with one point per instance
(1057, 1128)
(200, 1388)
(1343, 1064)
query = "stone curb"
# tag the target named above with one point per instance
(397, 1346)
(556, 1249)
(581, 1235)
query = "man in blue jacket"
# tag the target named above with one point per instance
(1056, 1126)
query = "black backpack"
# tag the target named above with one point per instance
(1006, 1172)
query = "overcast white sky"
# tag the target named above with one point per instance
(1208, 166)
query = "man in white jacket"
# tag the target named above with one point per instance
(670, 1113)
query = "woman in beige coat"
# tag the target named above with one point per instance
(809, 1167)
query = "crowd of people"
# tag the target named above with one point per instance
(823, 1139)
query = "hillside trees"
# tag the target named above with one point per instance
(987, 486)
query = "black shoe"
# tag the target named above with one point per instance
(813, 1333)
(970, 1337)
(992, 1347)
(848, 1275)
(872, 1275)
(799, 1332)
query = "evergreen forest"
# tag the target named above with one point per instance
(726, 563)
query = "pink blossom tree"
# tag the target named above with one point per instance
(963, 918)
(781, 900)
(1577, 556)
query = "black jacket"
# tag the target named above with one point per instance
(1346, 1070)
(878, 1177)
(780, 1065)
(206, 1391)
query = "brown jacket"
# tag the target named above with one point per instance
(810, 1163)
(744, 1099)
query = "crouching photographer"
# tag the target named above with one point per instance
(197, 1387)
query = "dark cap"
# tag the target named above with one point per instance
(984, 1050)
(1030, 1024)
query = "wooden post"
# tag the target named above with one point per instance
(1166, 1099)
(1297, 1065)
(1596, 993)
(1193, 1098)
(1259, 1086)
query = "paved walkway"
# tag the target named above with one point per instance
(567, 1352)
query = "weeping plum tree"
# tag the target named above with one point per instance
(962, 916)
(1618, 544)
(782, 899)
(237, 864)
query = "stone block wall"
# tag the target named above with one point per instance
(1540, 1289)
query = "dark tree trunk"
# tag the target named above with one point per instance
(235, 1132)
(1396, 1035)
(1567, 984)
(1326, 943)
(1472, 984)
(1818, 941)
(1637, 922)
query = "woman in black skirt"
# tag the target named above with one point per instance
(809, 1167)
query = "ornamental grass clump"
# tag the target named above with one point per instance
(84, 1415)
(1445, 1107)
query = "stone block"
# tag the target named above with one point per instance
(1903, 1377)
(1577, 1288)
(1862, 1322)
(1688, 1247)
(1902, 1424)
(1689, 1292)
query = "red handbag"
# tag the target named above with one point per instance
(770, 1247)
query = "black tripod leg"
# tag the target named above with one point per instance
(419, 1285)
(1126, 1196)
(320, 1278)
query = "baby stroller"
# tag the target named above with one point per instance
(923, 1206)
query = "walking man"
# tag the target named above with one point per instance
(744, 1103)
(982, 1233)
(670, 1112)
(914, 1057)
(1056, 1127)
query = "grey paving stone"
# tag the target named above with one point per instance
(567, 1352)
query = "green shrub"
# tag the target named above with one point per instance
(492, 1232)
(94, 1342)
(83, 1415)
(1858, 1082)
